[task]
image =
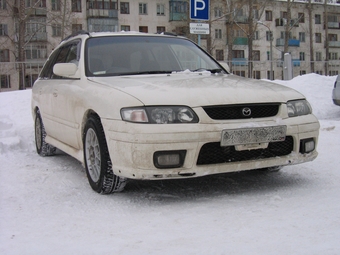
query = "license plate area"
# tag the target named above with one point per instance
(253, 135)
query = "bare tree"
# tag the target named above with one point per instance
(311, 44)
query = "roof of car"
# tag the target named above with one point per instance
(124, 33)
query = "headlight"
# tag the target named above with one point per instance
(298, 108)
(160, 114)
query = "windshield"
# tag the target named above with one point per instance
(129, 55)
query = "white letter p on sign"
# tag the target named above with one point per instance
(196, 8)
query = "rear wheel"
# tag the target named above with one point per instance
(43, 148)
(97, 159)
(272, 169)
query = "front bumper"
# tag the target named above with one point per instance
(132, 146)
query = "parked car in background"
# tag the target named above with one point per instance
(145, 106)
(336, 91)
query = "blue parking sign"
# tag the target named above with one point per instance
(199, 9)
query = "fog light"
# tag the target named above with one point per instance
(169, 159)
(307, 145)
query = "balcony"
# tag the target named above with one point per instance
(291, 42)
(37, 37)
(239, 62)
(237, 19)
(178, 16)
(36, 11)
(295, 62)
(335, 25)
(282, 22)
(334, 44)
(241, 41)
(102, 13)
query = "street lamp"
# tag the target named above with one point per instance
(271, 48)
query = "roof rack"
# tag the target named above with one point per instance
(167, 33)
(80, 32)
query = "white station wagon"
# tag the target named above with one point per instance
(147, 106)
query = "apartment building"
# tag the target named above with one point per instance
(313, 34)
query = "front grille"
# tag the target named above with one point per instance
(233, 112)
(213, 153)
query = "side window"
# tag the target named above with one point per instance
(69, 53)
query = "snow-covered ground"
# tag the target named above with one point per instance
(47, 206)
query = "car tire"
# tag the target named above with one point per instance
(43, 148)
(97, 160)
(272, 169)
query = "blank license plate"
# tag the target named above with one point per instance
(253, 135)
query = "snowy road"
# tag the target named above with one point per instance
(48, 207)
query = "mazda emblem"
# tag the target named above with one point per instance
(246, 111)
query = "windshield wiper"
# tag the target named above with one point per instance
(143, 72)
(216, 70)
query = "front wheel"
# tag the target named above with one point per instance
(97, 159)
(43, 148)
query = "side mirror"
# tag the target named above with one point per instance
(68, 70)
(225, 66)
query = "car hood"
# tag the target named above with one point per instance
(198, 89)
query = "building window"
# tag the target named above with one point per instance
(256, 35)
(55, 5)
(217, 12)
(317, 19)
(333, 56)
(124, 28)
(218, 33)
(256, 55)
(332, 18)
(319, 72)
(268, 55)
(256, 14)
(268, 36)
(182, 31)
(5, 81)
(76, 27)
(238, 53)
(56, 30)
(36, 52)
(161, 9)
(318, 56)
(4, 55)
(143, 29)
(30, 79)
(102, 5)
(269, 15)
(302, 72)
(3, 5)
(240, 73)
(333, 72)
(124, 8)
(268, 75)
(302, 56)
(302, 37)
(34, 3)
(301, 17)
(333, 37)
(143, 9)
(257, 75)
(76, 5)
(219, 55)
(3, 29)
(318, 37)
(160, 30)
(178, 6)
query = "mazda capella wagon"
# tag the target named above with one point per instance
(131, 105)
